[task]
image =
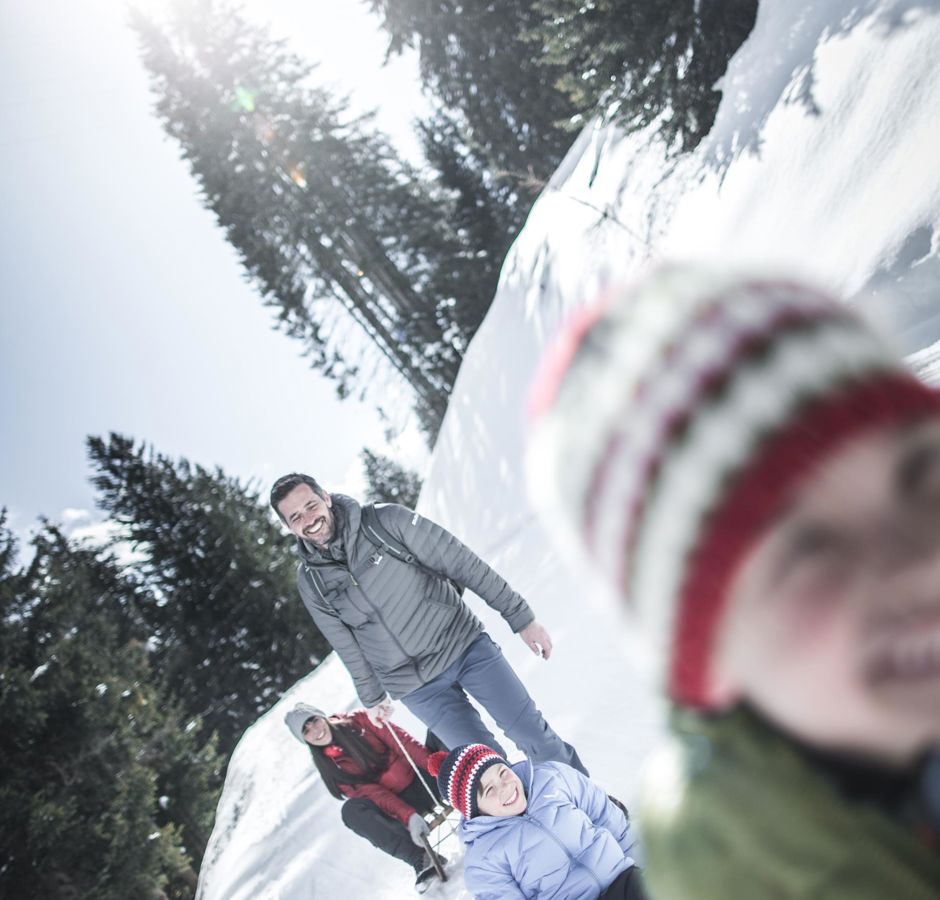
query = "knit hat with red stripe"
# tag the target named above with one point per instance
(672, 423)
(459, 773)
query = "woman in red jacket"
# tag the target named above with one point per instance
(364, 765)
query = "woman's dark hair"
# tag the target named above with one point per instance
(355, 746)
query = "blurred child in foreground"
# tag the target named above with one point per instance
(759, 477)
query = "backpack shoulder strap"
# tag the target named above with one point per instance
(377, 534)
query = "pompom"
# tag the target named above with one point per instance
(561, 351)
(435, 761)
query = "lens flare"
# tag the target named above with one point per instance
(245, 98)
(264, 130)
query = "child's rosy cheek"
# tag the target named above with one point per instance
(815, 601)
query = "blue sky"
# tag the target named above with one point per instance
(123, 308)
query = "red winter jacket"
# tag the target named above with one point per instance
(397, 774)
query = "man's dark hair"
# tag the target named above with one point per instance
(286, 483)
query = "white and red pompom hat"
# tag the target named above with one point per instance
(458, 774)
(673, 420)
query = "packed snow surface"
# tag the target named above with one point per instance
(822, 162)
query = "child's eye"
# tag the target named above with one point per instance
(920, 474)
(807, 540)
(817, 543)
(815, 555)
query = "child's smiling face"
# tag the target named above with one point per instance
(500, 792)
(832, 626)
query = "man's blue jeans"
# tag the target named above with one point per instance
(482, 672)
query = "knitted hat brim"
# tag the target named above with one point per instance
(460, 774)
(296, 717)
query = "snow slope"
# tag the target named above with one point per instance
(822, 161)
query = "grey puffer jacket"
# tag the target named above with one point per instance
(398, 626)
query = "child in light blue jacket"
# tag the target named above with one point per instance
(538, 830)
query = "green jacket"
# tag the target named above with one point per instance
(730, 810)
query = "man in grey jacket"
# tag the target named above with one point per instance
(401, 626)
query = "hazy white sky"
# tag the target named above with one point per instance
(123, 308)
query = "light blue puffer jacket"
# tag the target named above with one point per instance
(569, 844)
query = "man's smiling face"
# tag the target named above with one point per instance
(308, 515)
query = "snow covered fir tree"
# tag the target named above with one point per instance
(389, 481)
(361, 255)
(109, 784)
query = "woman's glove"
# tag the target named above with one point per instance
(417, 828)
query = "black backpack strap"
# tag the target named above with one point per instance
(376, 533)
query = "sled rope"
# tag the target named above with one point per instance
(401, 747)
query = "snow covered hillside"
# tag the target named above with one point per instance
(822, 161)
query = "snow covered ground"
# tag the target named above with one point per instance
(822, 161)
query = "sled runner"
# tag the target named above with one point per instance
(435, 859)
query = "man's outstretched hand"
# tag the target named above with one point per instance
(380, 713)
(537, 639)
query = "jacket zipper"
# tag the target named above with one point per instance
(381, 619)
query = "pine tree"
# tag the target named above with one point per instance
(389, 481)
(475, 60)
(227, 631)
(484, 212)
(92, 799)
(337, 232)
(524, 73)
(643, 61)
